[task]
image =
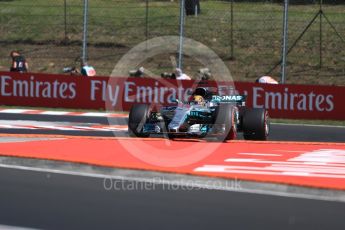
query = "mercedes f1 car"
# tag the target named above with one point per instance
(207, 115)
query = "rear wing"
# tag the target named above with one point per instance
(240, 99)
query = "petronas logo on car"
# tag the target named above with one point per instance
(231, 98)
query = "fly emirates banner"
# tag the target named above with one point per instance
(120, 93)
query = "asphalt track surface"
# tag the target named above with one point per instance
(57, 201)
(279, 132)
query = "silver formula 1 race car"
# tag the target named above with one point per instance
(208, 115)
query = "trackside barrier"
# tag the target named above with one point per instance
(117, 94)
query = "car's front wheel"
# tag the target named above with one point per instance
(138, 116)
(256, 124)
(227, 117)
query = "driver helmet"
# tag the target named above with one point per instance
(199, 100)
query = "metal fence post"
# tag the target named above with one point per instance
(320, 38)
(84, 51)
(285, 40)
(232, 29)
(180, 51)
(65, 19)
(147, 20)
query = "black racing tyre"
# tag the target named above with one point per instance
(256, 124)
(226, 116)
(171, 136)
(138, 116)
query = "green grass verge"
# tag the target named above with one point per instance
(308, 122)
(257, 31)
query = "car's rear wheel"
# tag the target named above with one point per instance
(138, 116)
(256, 124)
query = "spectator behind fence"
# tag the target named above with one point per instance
(71, 70)
(266, 80)
(19, 64)
(180, 75)
(204, 74)
(137, 73)
(87, 70)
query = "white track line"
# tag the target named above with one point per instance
(61, 113)
(8, 227)
(16, 110)
(91, 114)
(261, 154)
(54, 113)
(170, 182)
(259, 161)
(2, 126)
(288, 151)
(65, 128)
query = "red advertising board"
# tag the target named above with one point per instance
(110, 93)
